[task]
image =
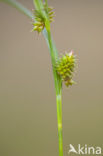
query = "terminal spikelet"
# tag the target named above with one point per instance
(39, 23)
(65, 68)
(50, 12)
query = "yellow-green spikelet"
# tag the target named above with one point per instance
(65, 68)
(39, 23)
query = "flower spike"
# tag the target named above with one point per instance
(65, 68)
(39, 23)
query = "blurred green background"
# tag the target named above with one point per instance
(28, 123)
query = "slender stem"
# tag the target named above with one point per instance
(57, 80)
(58, 85)
(59, 117)
(54, 59)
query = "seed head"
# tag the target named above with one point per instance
(65, 68)
(39, 23)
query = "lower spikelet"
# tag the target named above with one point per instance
(65, 68)
(39, 23)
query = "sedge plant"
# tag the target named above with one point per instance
(63, 67)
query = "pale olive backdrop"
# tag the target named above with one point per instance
(28, 123)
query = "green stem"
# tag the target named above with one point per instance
(59, 117)
(58, 87)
